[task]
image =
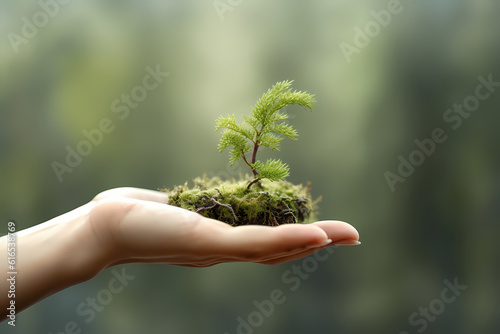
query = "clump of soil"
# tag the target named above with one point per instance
(268, 203)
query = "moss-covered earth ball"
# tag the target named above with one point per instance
(266, 203)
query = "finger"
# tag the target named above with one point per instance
(287, 249)
(134, 193)
(339, 232)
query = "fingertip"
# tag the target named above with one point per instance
(322, 238)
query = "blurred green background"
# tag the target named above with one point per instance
(440, 224)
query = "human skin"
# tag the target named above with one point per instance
(131, 225)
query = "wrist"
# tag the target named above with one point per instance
(86, 251)
(104, 222)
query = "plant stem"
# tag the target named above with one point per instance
(254, 158)
(254, 153)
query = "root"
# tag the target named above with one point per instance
(227, 206)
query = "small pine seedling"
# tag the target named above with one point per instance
(262, 128)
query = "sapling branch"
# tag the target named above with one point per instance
(249, 165)
(252, 182)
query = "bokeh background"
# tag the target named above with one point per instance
(440, 224)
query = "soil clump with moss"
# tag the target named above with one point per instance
(267, 203)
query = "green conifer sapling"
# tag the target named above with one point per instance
(261, 129)
(256, 199)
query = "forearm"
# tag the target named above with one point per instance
(50, 257)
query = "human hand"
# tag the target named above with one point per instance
(136, 225)
(126, 225)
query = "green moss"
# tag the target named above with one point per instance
(271, 203)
